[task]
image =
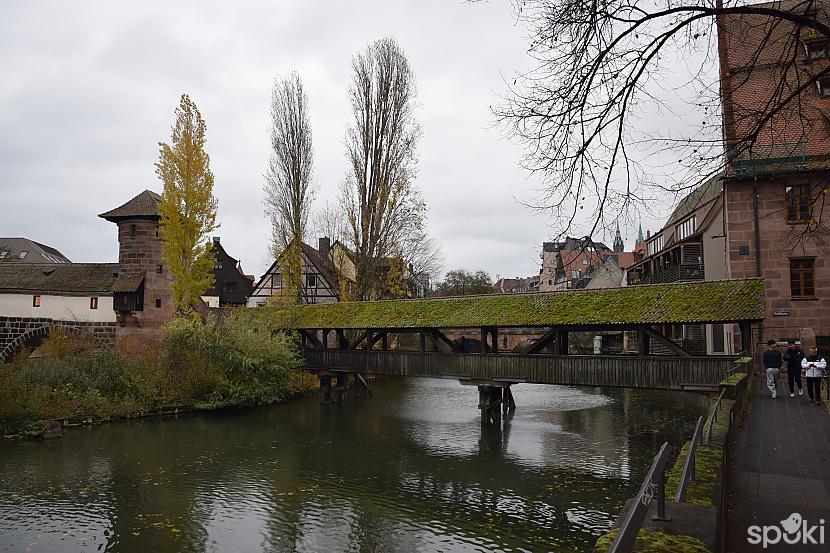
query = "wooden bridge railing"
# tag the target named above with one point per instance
(658, 372)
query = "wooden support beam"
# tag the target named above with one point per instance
(360, 337)
(385, 341)
(483, 337)
(543, 341)
(562, 346)
(342, 341)
(494, 332)
(653, 334)
(422, 343)
(311, 336)
(645, 343)
(325, 340)
(440, 335)
(746, 338)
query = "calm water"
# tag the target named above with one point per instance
(409, 469)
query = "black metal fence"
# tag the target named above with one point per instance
(689, 464)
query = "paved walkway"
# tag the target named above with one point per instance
(782, 467)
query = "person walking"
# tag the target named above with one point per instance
(772, 364)
(814, 365)
(793, 356)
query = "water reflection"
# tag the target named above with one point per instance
(409, 469)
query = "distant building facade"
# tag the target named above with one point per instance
(231, 286)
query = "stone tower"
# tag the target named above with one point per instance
(618, 241)
(142, 296)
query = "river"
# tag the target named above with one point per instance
(409, 469)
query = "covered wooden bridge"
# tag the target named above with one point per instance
(412, 337)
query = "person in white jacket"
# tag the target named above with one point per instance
(814, 365)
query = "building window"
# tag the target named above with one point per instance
(23, 254)
(686, 228)
(158, 304)
(93, 303)
(584, 261)
(311, 280)
(3, 254)
(823, 88)
(217, 267)
(798, 203)
(157, 231)
(816, 49)
(132, 231)
(655, 245)
(802, 277)
(35, 301)
(550, 282)
(159, 268)
(575, 275)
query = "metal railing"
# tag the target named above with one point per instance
(654, 486)
(713, 417)
(743, 362)
(684, 271)
(689, 465)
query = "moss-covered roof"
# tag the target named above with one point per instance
(688, 302)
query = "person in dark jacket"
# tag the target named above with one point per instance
(772, 365)
(793, 356)
(814, 364)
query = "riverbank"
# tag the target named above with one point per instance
(201, 366)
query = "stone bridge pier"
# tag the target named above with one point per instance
(19, 332)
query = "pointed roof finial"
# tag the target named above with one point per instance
(640, 238)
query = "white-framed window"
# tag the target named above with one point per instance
(3, 254)
(584, 261)
(686, 228)
(23, 254)
(575, 274)
(654, 245)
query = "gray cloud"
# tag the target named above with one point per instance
(90, 88)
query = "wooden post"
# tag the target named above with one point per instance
(341, 385)
(495, 335)
(746, 338)
(508, 403)
(325, 341)
(645, 343)
(422, 342)
(483, 340)
(562, 342)
(342, 341)
(484, 405)
(385, 341)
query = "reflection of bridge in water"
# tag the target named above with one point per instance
(355, 338)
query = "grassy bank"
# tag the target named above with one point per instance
(202, 365)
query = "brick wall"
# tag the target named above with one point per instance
(143, 252)
(779, 242)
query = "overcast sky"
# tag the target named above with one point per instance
(89, 89)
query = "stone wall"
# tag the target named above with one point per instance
(786, 317)
(17, 332)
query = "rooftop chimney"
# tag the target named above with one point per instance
(215, 239)
(323, 246)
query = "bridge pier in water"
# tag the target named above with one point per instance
(494, 400)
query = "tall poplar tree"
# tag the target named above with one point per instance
(288, 183)
(187, 207)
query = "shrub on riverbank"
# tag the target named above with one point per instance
(203, 365)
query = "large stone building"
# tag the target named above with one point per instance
(777, 179)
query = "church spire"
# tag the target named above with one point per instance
(618, 241)
(640, 238)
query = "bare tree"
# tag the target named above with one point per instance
(379, 198)
(288, 182)
(605, 69)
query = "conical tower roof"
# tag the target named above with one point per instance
(143, 206)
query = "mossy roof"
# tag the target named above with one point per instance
(689, 302)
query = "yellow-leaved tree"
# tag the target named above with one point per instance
(187, 207)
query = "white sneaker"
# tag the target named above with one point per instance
(801, 391)
(792, 395)
(774, 396)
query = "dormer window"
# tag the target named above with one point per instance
(23, 254)
(816, 49)
(823, 87)
(3, 254)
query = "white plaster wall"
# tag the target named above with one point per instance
(211, 301)
(64, 308)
